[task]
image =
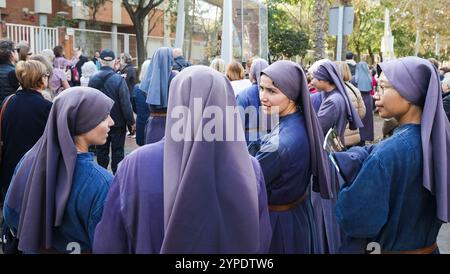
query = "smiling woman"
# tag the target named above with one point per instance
(289, 156)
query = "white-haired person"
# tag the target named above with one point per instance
(58, 80)
(218, 64)
(179, 62)
(87, 70)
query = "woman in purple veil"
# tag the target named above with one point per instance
(188, 193)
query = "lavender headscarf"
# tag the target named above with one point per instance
(291, 80)
(257, 67)
(363, 77)
(156, 80)
(417, 80)
(210, 192)
(327, 71)
(49, 166)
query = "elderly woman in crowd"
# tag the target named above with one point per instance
(87, 70)
(58, 80)
(24, 117)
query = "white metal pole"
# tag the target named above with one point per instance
(114, 39)
(227, 32)
(179, 40)
(340, 34)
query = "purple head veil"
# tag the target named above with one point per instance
(417, 80)
(210, 192)
(48, 168)
(327, 71)
(291, 80)
(257, 67)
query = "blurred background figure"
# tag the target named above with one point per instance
(58, 80)
(140, 106)
(218, 64)
(87, 70)
(23, 49)
(235, 73)
(180, 62)
(128, 72)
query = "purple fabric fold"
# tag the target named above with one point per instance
(210, 187)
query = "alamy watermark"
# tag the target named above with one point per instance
(213, 123)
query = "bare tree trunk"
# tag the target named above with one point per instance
(417, 47)
(192, 30)
(417, 23)
(344, 46)
(372, 57)
(137, 15)
(141, 49)
(319, 29)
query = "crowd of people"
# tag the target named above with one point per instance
(269, 187)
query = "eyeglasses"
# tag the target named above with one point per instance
(46, 75)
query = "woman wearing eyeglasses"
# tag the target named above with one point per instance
(24, 117)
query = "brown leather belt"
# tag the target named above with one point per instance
(158, 114)
(286, 207)
(424, 250)
(255, 129)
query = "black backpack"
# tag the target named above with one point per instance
(8, 241)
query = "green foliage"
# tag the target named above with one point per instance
(403, 41)
(367, 29)
(285, 38)
(288, 43)
(59, 21)
(93, 4)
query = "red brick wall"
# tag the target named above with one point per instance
(13, 12)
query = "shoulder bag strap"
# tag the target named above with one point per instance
(5, 105)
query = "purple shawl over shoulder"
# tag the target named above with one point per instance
(291, 80)
(49, 166)
(417, 80)
(210, 191)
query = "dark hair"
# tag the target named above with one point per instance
(434, 62)
(6, 49)
(349, 55)
(23, 50)
(58, 51)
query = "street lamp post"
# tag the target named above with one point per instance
(387, 42)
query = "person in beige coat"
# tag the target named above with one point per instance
(351, 137)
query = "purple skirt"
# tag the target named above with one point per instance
(366, 132)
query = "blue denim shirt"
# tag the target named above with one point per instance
(387, 202)
(84, 208)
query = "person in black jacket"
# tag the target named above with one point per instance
(78, 53)
(8, 58)
(24, 118)
(179, 62)
(115, 87)
(446, 96)
(128, 72)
